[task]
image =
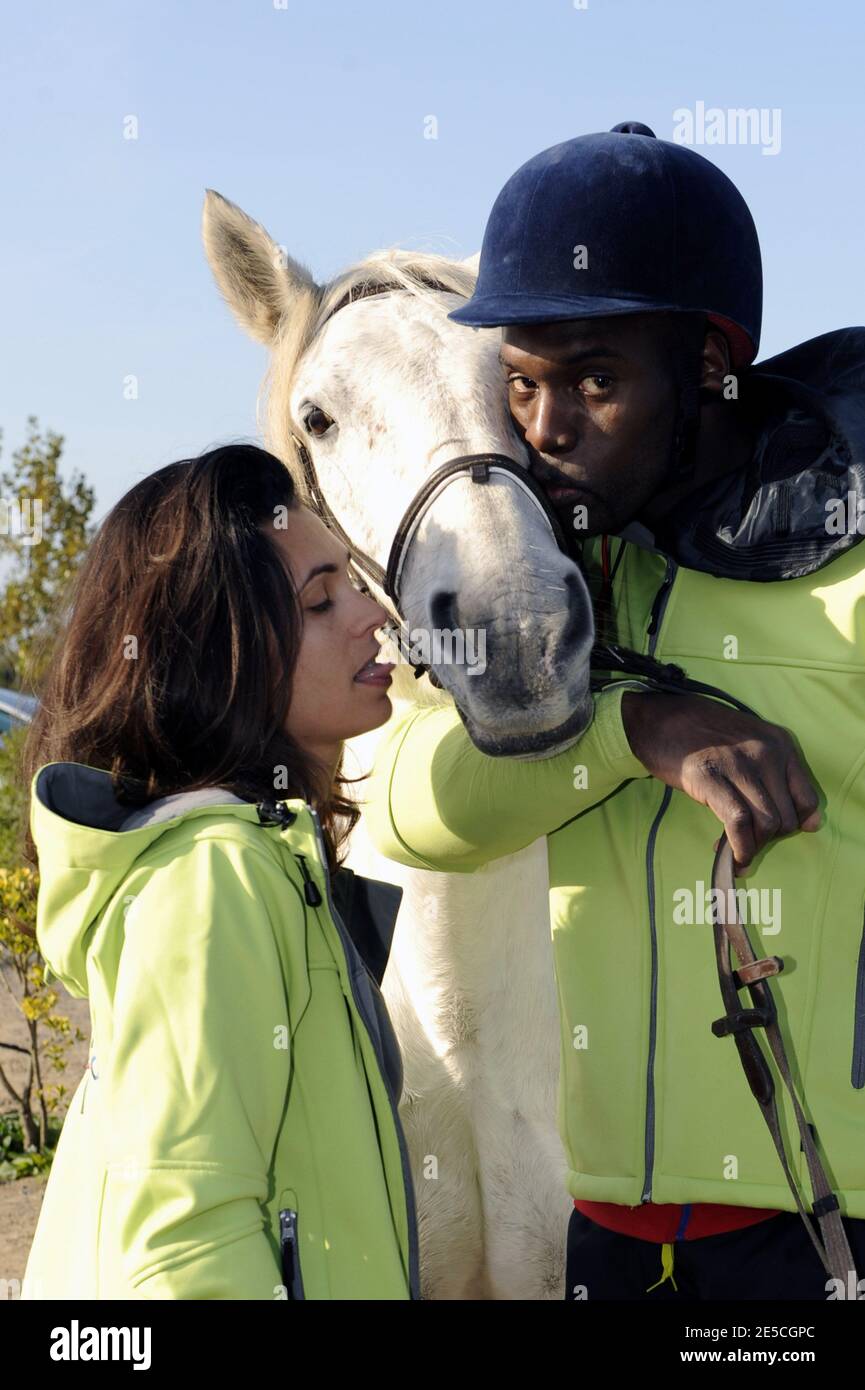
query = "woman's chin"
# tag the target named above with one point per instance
(377, 709)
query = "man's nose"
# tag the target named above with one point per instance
(551, 429)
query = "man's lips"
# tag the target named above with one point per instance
(562, 493)
(557, 493)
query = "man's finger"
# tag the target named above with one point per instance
(735, 815)
(803, 794)
(776, 791)
(765, 815)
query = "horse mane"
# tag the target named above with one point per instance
(424, 274)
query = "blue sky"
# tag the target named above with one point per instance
(311, 117)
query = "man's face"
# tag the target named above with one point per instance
(594, 400)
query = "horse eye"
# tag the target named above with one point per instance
(317, 421)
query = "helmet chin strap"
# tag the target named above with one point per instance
(683, 448)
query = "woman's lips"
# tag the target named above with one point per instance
(375, 673)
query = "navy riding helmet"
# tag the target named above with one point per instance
(620, 223)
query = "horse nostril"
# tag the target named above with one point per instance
(580, 625)
(442, 609)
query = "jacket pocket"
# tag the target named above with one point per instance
(289, 1249)
(857, 1074)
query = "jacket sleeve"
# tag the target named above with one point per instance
(196, 1079)
(435, 802)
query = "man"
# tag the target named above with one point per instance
(718, 508)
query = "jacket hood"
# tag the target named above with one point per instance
(85, 854)
(769, 521)
(88, 842)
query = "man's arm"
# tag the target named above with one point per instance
(434, 801)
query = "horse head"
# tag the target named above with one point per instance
(369, 376)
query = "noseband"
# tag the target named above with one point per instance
(479, 468)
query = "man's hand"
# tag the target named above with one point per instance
(745, 770)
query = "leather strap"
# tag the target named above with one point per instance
(829, 1239)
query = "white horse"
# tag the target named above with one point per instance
(381, 392)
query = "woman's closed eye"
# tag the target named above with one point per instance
(356, 582)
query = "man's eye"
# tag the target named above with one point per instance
(599, 383)
(512, 381)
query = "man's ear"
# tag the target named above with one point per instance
(715, 361)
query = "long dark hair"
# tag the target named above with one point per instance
(175, 662)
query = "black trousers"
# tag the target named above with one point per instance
(773, 1259)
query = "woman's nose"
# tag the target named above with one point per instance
(377, 616)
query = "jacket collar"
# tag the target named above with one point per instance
(774, 520)
(87, 846)
(368, 907)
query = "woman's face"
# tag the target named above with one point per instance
(330, 700)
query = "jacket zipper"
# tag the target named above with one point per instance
(310, 887)
(662, 598)
(372, 1029)
(292, 1277)
(857, 1074)
(649, 1144)
(656, 618)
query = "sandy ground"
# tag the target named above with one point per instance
(20, 1201)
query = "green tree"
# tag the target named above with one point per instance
(49, 1034)
(44, 532)
(14, 798)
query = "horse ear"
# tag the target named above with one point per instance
(473, 262)
(257, 278)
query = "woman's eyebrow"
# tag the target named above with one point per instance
(322, 569)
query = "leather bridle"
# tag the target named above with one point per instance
(479, 468)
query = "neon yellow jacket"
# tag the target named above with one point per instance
(235, 1135)
(652, 1106)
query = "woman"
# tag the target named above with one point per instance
(235, 1135)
